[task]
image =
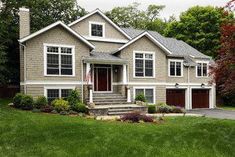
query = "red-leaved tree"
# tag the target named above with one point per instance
(224, 69)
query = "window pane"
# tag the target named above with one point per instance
(97, 30)
(138, 55)
(66, 50)
(139, 91)
(149, 95)
(148, 68)
(53, 64)
(139, 67)
(199, 69)
(178, 68)
(52, 49)
(172, 68)
(52, 94)
(204, 69)
(65, 93)
(148, 56)
(66, 65)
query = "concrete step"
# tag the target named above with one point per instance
(118, 113)
(120, 109)
(111, 103)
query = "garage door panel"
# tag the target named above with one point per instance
(175, 97)
(200, 98)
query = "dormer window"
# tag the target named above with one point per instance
(97, 29)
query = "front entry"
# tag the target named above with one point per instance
(102, 79)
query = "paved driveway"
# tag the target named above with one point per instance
(215, 113)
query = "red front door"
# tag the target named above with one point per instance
(102, 78)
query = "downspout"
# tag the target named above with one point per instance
(82, 79)
(24, 50)
(189, 95)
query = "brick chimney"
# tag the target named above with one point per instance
(24, 22)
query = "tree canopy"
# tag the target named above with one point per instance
(132, 16)
(42, 13)
(200, 28)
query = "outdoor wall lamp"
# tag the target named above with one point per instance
(203, 85)
(176, 85)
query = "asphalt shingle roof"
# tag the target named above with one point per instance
(177, 47)
(104, 57)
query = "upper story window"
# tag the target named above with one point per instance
(202, 69)
(97, 29)
(175, 68)
(144, 64)
(59, 60)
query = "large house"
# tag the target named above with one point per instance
(111, 65)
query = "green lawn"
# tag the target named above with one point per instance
(228, 108)
(26, 134)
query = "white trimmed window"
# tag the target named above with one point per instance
(148, 92)
(55, 92)
(175, 68)
(144, 64)
(97, 29)
(59, 60)
(202, 69)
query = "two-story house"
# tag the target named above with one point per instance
(114, 64)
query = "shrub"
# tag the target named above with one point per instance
(136, 117)
(40, 102)
(80, 107)
(164, 108)
(17, 99)
(140, 97)
(177, 109)
(26, 102)
(73, 98)
(60, 105)
(47, 109)
(151, 109)
(147, 119)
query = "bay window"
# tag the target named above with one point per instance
(144, 64)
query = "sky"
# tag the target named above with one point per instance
(172, 7)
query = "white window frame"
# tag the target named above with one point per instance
(57, 88)
(145, 87)
(45, 45)
(97, 23)
(144, 52)
(169, 67)
(207, 69)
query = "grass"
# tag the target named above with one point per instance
(23, 133)
(231, 108)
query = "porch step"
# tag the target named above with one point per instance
(111, 102)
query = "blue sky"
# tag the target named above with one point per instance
(172, 6)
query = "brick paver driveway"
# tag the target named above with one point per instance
(215, 113)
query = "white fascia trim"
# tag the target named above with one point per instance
(105, 39)
(44, 82)
(104, 16)
(144, 52)
(176, 60)
(150, 37)
(59, 53)
(162, 83)
(52, 26)
(145, 87)
(97, 23)
(57, 87)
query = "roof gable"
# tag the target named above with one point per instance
(58, 23)
(97, 11)
(150, 37)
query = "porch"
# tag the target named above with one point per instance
(107, 92)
